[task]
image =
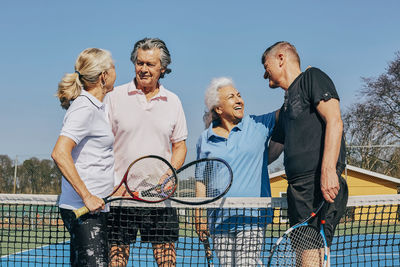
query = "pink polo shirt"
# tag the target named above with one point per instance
(143, 128)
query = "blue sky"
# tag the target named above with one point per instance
(40, 41)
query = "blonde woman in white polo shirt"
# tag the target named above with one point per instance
(146, 119)
(84, 154)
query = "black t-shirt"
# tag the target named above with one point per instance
(300, 127)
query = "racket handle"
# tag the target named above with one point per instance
(81, 211)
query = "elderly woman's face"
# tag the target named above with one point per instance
(148, 68)
(231, 104)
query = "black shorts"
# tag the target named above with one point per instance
(304, 195)
(156, 225)
(88, 233)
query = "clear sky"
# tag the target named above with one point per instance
(40, 41)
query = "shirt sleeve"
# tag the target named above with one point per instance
(76, 123)
(268, 120)
(278, 133)
(320, 86)
(180, 130)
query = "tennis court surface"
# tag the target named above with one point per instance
(32, 232)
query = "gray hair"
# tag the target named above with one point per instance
(212, 98)
(282, 45)
(151, 43)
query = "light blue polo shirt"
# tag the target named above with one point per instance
(246, 151)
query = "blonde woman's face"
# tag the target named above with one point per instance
(231, 104)
(111, 76)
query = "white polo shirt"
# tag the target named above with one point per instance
(86, 123)
(141, 127)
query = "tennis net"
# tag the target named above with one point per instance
(32, 232)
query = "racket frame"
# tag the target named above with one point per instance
(193, 200)
(304, 223)
(134, 195)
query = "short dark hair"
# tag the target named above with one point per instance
(282, 45)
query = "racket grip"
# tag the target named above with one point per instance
(81, 211)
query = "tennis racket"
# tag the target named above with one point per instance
(302, 244)
(148, 179)
(209, 254)
(203, 181)
(203, 233)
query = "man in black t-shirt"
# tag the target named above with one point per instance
(310, 131)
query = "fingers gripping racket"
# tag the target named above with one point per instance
(302, 244)
(203, 181)
(148, 179)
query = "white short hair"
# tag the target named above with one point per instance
(212, 96)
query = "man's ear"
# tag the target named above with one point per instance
(281, 58)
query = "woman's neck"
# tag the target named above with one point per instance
(224, 127)
(98, 92)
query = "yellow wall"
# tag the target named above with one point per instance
(278, 185)
(362, 184)
(358, 183)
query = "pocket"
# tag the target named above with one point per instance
(295, 106)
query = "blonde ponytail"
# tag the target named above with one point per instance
(90, 64)
(69, 88)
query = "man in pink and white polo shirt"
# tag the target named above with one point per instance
(146, 119)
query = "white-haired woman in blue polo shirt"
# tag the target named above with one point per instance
(84, 154)
(241, 140)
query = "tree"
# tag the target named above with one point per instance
(6, 174)
(38, 177)
(372, 126)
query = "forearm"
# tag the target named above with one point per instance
(333, 136)
(274, 151)
(62, 157)
(178, 154)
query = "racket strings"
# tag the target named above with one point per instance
(150, 179)
(303, 246)
(212, 176)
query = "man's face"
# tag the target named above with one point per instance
(148, 68)
(271, 66)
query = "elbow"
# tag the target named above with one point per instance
(335, 123)
(55, 155)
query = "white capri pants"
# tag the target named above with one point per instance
(240, 248)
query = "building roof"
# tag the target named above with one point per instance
(352, 168)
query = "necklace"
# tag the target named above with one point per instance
(286, 100)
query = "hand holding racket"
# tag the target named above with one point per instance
(302, 244)
(148, 179)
